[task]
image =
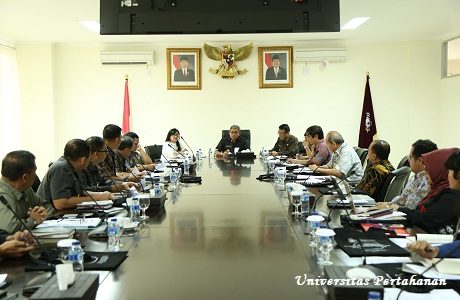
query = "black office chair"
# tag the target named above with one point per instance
(154, 151)
(36, 183)
(362, 154)
(404, 162)
(394, 184)
(246, 133)
(301, 149)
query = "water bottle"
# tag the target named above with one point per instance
(199, 154)
(157, 190)
(113, 230)
(305, 203)
(374, 295)
(186, 166)
(135, 211)
(173, 176)
(75, 256)
(209, 152)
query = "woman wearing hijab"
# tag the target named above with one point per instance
(438, 212)
(173, 148)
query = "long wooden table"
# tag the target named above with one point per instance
(229, 238)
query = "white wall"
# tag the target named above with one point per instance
(450, 108)
(405, 85)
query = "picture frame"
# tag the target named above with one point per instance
(275, 67)
(183, 68)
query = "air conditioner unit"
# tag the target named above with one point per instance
(126, 58)
(320, 55)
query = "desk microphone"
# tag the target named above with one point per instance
(99, 213)
(120, 191)
(5, 202)
(176, 150)
(137, 179)
(140, 162)
(193, 153)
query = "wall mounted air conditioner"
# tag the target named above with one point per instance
(126, 58)
(320, 55)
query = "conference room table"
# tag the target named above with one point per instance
(231, 237)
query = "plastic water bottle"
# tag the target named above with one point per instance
(186, 166)
(113, 230)
(305, 203)
(157, 189)
(75, 256)
(199, 154)
(135, 211)
(209, 152)
(173, 176)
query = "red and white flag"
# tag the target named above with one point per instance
(126, 127)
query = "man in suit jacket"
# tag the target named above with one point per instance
(276, 72)
(184, 73)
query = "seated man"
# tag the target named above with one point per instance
(315, 147)
(377, 169)
(138, 156)
(419, 187)
(231, 144)
(344, 162)
(286, 144)
(18, 175)
(112, 138)
(122, 154)
(61, 186)
(16, 245)
(90, 178)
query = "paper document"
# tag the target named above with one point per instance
(100, 202)
(435, 238)
(74, 223)
(448, 265)
(432, 273)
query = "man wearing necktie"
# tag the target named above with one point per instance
(276, 72)
(184, 73)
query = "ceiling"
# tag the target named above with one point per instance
(56, 21)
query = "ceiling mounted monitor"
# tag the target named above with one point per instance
(218, 16)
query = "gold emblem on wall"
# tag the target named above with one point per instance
(228, 58)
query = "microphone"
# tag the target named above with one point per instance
(5, 202)
(313, 172)
(350, 172)
(120, 191)
(175, 150)
(193, 153)
(148, 172)
(137, 179)
(99, 213)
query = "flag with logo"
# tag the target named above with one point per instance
(126, 110)
(368, 128)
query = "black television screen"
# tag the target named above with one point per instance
(218, 16)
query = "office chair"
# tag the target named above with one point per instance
(154, 151)
(246, 133)
(36, 183)
(362, 154)
(404, 162)
(394, 184)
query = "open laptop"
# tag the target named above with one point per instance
(348, 200)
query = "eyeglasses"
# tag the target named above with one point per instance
(102, 151)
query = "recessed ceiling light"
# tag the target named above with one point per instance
(355, 23)
(91, 25)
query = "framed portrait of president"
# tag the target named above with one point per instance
(275, 67)
(183, 68)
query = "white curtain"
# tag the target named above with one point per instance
(9, 101)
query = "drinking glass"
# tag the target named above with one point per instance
(271, 166)
(314, 221)
(295, 201)
(144, 203)
(325, 243)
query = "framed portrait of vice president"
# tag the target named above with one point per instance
(183, 68)
(275, 67)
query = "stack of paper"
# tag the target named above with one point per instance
(91, 204)
(53, 234)
(78, 223)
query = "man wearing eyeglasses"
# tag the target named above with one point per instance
(91, 178)
(232, 143)
(138, 156)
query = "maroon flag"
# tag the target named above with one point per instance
(126, 110)
(368, 128)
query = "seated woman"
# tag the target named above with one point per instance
(172, 148)
(439, 213)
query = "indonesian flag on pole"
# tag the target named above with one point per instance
(368, 128)
(126, 110)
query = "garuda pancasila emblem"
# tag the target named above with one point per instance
(228, 58)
